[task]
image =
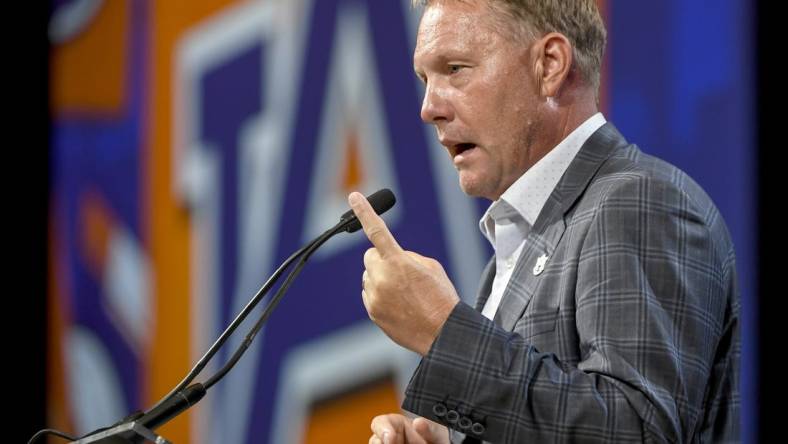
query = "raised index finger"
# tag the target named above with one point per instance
(374, 227)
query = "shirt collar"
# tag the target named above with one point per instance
(528, 194)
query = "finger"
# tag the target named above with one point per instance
(364, 293)
(413, 437)
(390, 428)
(374, 227)
(375, 440)
(430, 431)
(365, 300)
(371, 258)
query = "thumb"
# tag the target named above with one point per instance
(432, 432)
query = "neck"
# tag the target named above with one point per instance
(571, 110)
(558, 118)
(561, 116)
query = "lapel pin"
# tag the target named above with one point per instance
(540, 263)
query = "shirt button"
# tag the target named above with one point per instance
(509, 263)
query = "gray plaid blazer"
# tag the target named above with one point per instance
(628, 333)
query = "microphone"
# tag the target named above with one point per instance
(182, 397)
(381, 201)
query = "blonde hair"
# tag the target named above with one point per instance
(578, 20)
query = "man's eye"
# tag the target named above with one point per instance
(455, 68)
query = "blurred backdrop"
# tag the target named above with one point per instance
(193, 145)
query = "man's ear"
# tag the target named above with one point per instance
(553, 59)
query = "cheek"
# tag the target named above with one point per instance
(500, 117)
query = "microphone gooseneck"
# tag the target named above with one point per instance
(181, 398)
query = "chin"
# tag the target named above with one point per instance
(474, 186)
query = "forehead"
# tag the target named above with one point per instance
(454, 25)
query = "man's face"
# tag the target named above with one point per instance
(480, 94)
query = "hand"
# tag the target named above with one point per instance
(407, 295)
(398, 429)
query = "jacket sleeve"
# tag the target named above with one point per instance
(649, 307)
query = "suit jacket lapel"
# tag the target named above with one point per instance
(485, 286)
(550, 225)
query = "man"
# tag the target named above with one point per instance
(610, 311)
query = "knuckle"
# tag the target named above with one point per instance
(435, 265)
(375, 232)
(372, 311)
(368, 255)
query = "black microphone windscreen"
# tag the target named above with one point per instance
(381, 201)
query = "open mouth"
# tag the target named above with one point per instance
(463, 147)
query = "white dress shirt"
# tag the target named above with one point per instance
(507, 221)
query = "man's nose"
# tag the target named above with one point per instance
(436, 106)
